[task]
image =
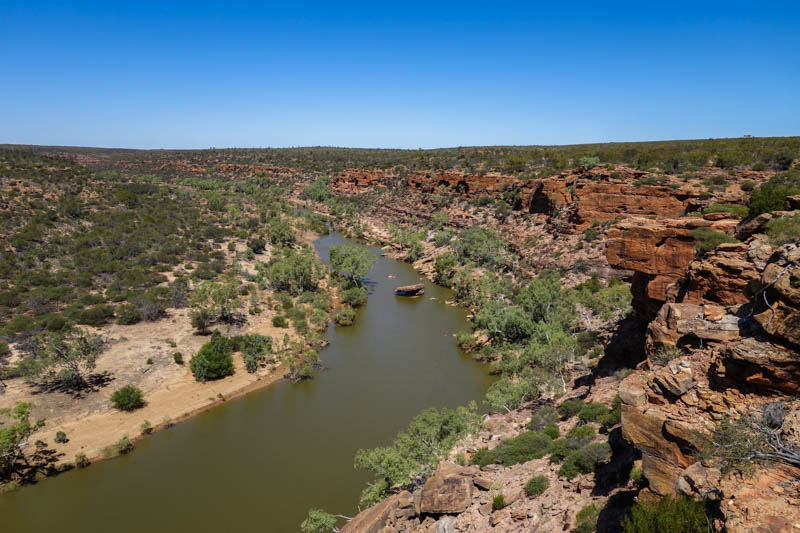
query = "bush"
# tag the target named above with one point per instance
(81, 461)
(584, 460)
(665, 354)
(61, 437)
(127, 314)
(498, 502)
(122, 446)
(770, 197)
(354, 297)
(95, 315)
(128, 398)
(483, 457)
(536, 486)
(522, 448)
(591, 412)
(570, 408)
(672, 514)
(747, 185)
(707, 239)
(4, 349)
(178, 358)
(213, 360)
(552, 431)
(783, 230)
(345, 317)
(201, 319)
(280, 322)
(258, 245)
(735, 209)
(542, 417)
(586, 519)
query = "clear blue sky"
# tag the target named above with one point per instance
(407, 75)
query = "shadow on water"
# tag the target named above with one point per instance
(257, 463)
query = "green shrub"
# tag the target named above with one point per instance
(280, 322)
(613, 416)
(707, 239)
(536, 486)
(498, 502)
(542, 417)
(61, 437)
(258, 245)
(591, 412)
(4, 349)
(122, 446)
(81, 461)
(213, 360)
(95, 315)
(354, 297)
(570, 408)
(482, 457)
(672, 514)
(747, 185)
(551, 430)
(586, 519)
(665, 354)
(345, 317)
(201, 319)
(584, 460)
(770, 197)
(128, 398)
(783, 230)
(178, 358)
(735, 209)
(127, 314)
(522, 448)
(580, 436)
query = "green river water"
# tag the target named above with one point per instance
(257, 463)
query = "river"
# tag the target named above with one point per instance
(258, 462)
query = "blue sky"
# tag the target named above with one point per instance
(405, 75)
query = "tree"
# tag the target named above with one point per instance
(480, 245)
(65, 360)
(444, 265)
(318, 521)
(351, 262)
(290, 271)
(756, 437)
(415, 451)
(508, 395)
(220, 299)
(280, 231)
(14, 439)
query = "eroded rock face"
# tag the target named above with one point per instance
(680, 324)
(779, 298)
(657, 251)
(372, 520)
(761, 365)
(726, 277)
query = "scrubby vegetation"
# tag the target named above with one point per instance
(415, 451)
(672, 514)
(128, 398)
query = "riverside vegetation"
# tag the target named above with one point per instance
(551, 320)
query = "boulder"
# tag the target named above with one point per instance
(700, 481)
(446, 493)
(631, 391)
(763, 366)
(675, 383)
(410, 290)
(372, 520)
(778, 301)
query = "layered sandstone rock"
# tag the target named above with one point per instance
(685, 324)
(778, 300)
